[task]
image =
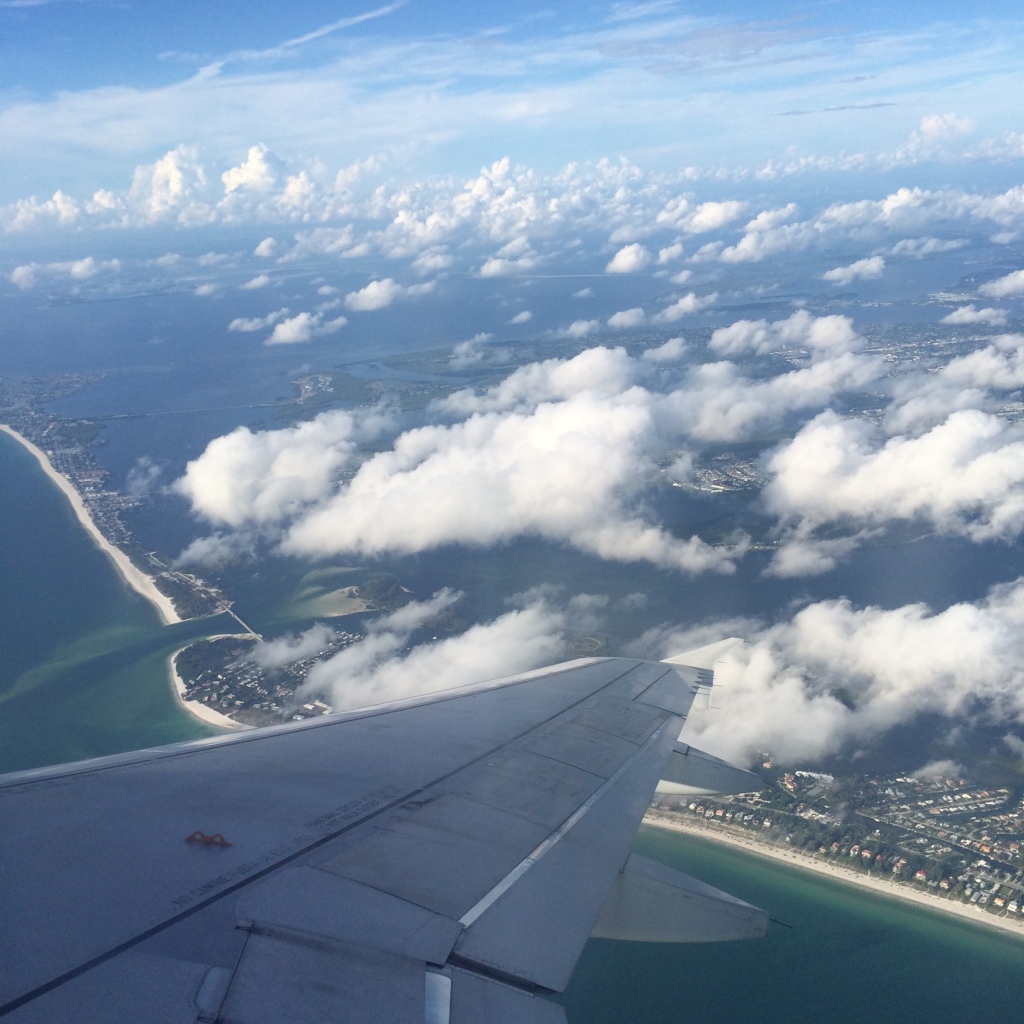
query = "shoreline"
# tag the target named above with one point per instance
(132, 575)
(965, 912)
(199, 711)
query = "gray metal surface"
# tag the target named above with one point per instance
(650, 902)
(474, 832)
(690, 771)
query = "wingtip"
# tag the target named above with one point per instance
(706, 656)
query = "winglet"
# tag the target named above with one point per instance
(705, 657)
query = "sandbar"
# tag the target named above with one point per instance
(132, 574)
(965, 911)
(195, 708)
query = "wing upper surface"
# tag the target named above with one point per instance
(472, 835)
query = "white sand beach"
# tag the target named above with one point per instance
(133, 576)
(194, 707)
(736, 838)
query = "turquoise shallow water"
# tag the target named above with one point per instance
(849, 957)
(82, 657)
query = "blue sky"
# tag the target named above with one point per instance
(90, 90)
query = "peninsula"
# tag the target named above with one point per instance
(132, 575)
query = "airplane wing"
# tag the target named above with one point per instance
(439, 860)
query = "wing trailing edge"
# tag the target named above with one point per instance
(650, 902)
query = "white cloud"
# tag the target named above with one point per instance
(821, 336)
(266, 248)
(673, 349)
(206, 290)
(681, 214)
(287, 650)
(474, 353)
(255, 478)
(690, 303)
(579, 329)
(432, 261)
(258, 173)
(378, 669)
(1005, 287)
(249, 324)
(27, 275)
(304, 327)
(561, 454)
(921, 247)
(522, 317)
(583, 293)
(626, 318)
(964, 476)
(861, 270)
(380, 294)
(894, 664)
(628, 260)
(670, 252)
(971, 315)
(498, 266)
(260, 281)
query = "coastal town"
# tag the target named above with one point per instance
(66, 445)
(949, 838)
(226, 675)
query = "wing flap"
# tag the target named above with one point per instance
(691, 772)
(650, 902)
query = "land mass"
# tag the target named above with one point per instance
(802, 860)
(132, 575)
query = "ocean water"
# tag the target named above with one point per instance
(848, 957)
(82, 657)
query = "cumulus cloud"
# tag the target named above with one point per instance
(256, 323)
(824, 335)
(249, 478)
(287, 650)
(861, 270)
(378, 669)
(1009, 286)
(892, 665)
(921, 247)
(673, 349)
(259, 172)
(691, 303)
(964, 476)
(558, 450)
(922, 400)
(628, 260)
(579, 329)
(626, 318)
(380, 294)
(27, 276)
(522, 317)
(266, 248)
(970, 315)
(304, 327)
(682, 215)
(259, 281)
(475, 352)
(142, 477)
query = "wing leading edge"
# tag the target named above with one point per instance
(438, 860)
